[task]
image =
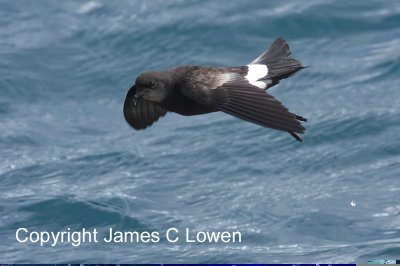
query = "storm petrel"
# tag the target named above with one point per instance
(238, 91)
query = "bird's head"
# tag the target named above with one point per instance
(153, 85)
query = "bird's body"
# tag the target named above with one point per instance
(239, 91)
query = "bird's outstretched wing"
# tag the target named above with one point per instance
(237, 97)
(141, 113)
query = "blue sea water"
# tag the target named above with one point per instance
(69, 159)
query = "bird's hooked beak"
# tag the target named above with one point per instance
(136, 97)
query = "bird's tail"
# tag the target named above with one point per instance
(279, 66)
(278, 61)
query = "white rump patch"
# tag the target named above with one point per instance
(255, 72)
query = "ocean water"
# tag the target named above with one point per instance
(69, 159)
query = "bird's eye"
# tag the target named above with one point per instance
(152, 83)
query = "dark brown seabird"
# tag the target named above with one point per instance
(238, 91)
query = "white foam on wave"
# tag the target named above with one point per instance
(89, 7)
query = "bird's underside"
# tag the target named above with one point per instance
(238, 91)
